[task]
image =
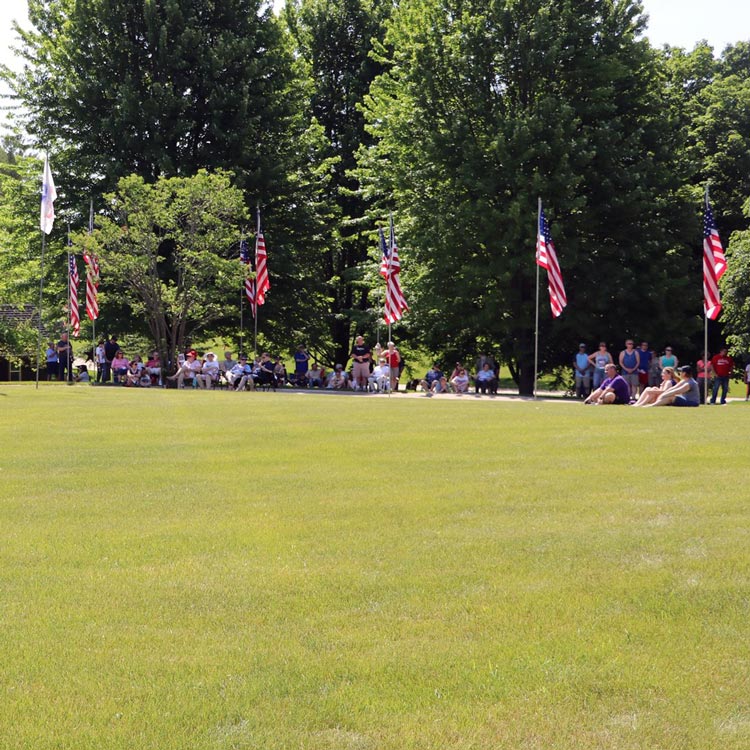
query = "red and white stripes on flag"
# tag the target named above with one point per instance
(714, 264)
(249, 281)
(262, 284)
(92, 286)
(75, 320)
(390, 268)
(546, 257)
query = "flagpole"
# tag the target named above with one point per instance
(90, 270)
(242, 300)
(255, 300)
(41, 293)
(70, 314)
(390, 374)
(705, 329)
(536, 322)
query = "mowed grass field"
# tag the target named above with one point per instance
(187, 570)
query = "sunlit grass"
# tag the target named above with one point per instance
(221, 570)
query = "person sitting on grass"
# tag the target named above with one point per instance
(337, 381)
(651, 394)
(486, 381)
(613, 390)
(133, 374)
(460, 381)
(315, 376)
(685, 393)
(434, 381)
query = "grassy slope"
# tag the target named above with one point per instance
(220, 570)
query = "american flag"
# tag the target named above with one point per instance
(92, 286)
(390, 268)
(714, 264)
(75, 320)
(262, 284)
(249, 281)
(546, 257)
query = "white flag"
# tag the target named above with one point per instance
(48, 198)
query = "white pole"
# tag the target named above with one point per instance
(536, 323)
(41, 293)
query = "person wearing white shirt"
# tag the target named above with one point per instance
(209, 372)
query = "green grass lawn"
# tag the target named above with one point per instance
(262, 571)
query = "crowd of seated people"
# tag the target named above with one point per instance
(376, 370)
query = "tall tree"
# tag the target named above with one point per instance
(163, 89)
(484, 108)
(168, 246)
(334, 38)
(735, 289)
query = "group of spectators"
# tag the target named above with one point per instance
(647, 379)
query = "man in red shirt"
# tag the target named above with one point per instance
(722, 365)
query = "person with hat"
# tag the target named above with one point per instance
(240, 375)
(613, 390)
(209, 373)
(380, 376)
(685, 393)
(189, 369)
(582, 370)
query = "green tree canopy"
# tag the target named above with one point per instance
(484, 108)
(169, 249)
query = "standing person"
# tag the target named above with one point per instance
(654, 371)
(644, 365)
(747, 381)
(64, 358)
(723, 366)
(111, 347)
(668, 359)
(600, 359)
(52, 361)
(630, 362)
(301, 365)
(582, 370)
(100, 359)
(393, 360)
(613, 390)
(705, 373)
(361, 358)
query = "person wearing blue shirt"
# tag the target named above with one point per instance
(644, 364)
(582, 368)
(434, 381)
